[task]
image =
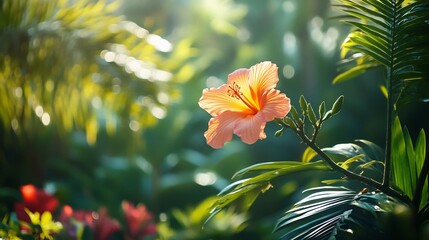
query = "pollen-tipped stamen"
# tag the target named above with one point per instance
(235, 92)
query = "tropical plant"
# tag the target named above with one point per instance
(373, 195)
(78, 66)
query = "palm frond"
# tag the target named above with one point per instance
(336, 213)
(391, 34)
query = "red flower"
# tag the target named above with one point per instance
(100, 222)
(35, 200)
(139, 220)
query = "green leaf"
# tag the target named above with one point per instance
(411, 158)
(372, 150)
(346, 164)
(303, 104)
(328, 114)
(279, 132)
(322, 110)
(290, 122)
(336, 107)
(243, 193)
(311, 115)
(352, 72)
(358, 158)
(282, 167)
(308, 155)
(401, 168)
(420, 156)
(294, 114)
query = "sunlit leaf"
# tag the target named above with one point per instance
(407, 160)
(243, 193)
(308, 154)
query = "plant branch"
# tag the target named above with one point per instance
(386, 189)
(352, 175)
(316, 131)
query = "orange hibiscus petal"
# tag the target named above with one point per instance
(263, 77)
(221, 128)
(217, 100)
(276, 105)
(251, 128)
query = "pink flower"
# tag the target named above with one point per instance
(139, 220)
(244, 104)
(35, 200)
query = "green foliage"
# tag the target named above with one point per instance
(242, 193)
(391, 34)
(407, 162)
(338, 213)
(223, 226)
(363, 157)
(384, 35)
(81, 65)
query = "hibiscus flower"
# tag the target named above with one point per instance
(244, 105)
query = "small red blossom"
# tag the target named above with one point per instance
(139, 220)
(104, 226)
(101, 224)
(35, 200)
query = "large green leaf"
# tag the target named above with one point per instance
(407, 161)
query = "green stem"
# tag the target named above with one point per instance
(389, 81)
(316, 131)
(387, 159)
(351, 175)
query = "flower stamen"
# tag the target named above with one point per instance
(235, 92)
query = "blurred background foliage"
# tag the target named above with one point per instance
(98, 100)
